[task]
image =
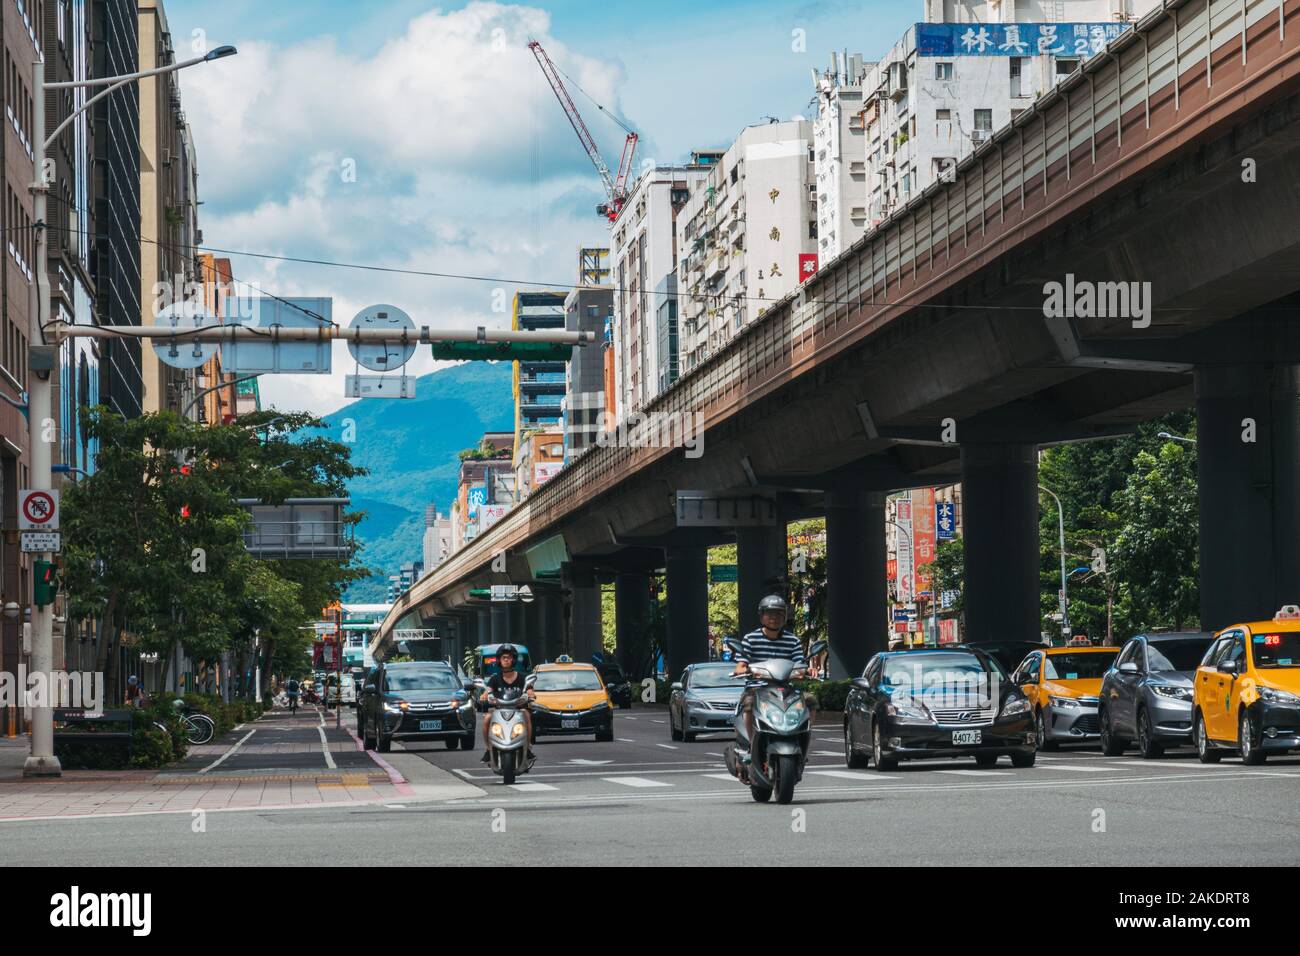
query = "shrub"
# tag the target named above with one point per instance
(151, 747)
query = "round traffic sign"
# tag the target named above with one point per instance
(38, 507)
(381, 356)
(182, 352)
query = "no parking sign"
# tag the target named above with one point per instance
(38, 509)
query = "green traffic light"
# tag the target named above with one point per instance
(503, 351)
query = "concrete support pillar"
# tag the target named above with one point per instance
(1000, 515)
(688, 608)
(482, 626)
(585, 616)
(762, 569)
(500, 617)
(518, 625)
(1249, 491)
(856, 585)
(632, 616)
(549, 643)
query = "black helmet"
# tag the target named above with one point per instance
(773, 602)
(505, 649)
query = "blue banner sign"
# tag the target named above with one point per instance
(1015, 39)
(945, 520)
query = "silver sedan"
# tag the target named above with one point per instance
(704, 700)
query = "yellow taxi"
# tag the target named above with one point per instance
(1064, 686)
(1247, 690)
(570, 698)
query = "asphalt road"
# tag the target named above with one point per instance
(644, 799)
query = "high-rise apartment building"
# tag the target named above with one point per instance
(587, 308)
(747, 235)
(115, 246)
(839, 154)
(644, 251)
(538, 384)
(437, 537)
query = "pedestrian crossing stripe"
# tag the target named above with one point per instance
(636, 782)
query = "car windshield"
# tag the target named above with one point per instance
(567, 680)
(715, 677)
(1276, 650)
(1077, 666)
(439, 679)
(943, 680)
(612, 674)
(1180, 655)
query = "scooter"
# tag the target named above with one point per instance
(782, 716)
(508, 737)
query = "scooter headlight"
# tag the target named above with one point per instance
(783, 719)
(516, 731)
(498, 732)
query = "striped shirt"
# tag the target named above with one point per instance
(757, 646)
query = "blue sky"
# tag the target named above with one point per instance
(461, 160)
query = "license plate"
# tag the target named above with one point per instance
(967, 736)
(569, 723)
(431, 725)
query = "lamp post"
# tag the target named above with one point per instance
(43, 357)
(1065, 603)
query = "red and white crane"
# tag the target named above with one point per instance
(615, 184)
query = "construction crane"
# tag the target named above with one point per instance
(615, 184)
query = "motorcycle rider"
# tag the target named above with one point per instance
(506, 681)
(291, 689)
(770, 641)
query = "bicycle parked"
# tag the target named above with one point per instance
(199, 728)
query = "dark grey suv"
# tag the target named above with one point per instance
(416, 701)
(1146, 696)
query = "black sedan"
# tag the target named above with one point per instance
(415, 702)
(617, 683)
(936, 702)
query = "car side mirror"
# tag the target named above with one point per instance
(1128, 667)
(1229, 667)
(467, 684)
(861, 683)
(677, 685)
(1023, 679)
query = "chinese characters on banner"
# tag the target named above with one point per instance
(945, 520)
(905, 565)
(1015, 39)
(923, 537)
(807, 265)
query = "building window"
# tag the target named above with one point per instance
(943, 71)
(1066, 67)
(943, 116)
(984, 120)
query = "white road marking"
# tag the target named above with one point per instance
(1078, 769)
(325, 748)
(532, 787)
(624, 740)
(395, 806)
(583, 762)
(627, 718)
(978, 773)
(636, 782)
(666, 746)
(216, 763)
(710, 753)
(848, 774)
(653, 721)
(720, 776)
(827, 753)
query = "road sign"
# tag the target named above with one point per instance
(38, 510)
(504, 592)
(379, 386)
(382, 356)
(182, 352)
(503, 351)
(40, 542)
(722, 572)
(525, 594)
(270, 356)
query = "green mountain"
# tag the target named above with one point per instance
(409, 447)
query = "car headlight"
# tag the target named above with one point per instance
(1064, 702)
(693, 700)
(1017, 705)
(1171, 691)
(396, 708)
(516, 731)
(908, 709)
(465, 704)
(1273, 696)
(498, 732)
(600, 705)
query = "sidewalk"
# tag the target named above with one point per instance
(280, 761)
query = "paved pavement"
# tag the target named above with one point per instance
(282, 760)
(647, 799)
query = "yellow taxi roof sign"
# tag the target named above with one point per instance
(1289, 612)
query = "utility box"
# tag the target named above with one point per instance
(299, 528)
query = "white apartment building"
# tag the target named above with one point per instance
(437, 543)
(746, 235)
(967, 69)
(840, 157)
(643, 252)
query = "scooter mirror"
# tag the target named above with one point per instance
(731, 644)
(817, 647)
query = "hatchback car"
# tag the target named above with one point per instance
(703, 701)
(1064, 686)
(936, 702)
(1247, 690)
(570, 698)
(412, 702)
(1146, 696)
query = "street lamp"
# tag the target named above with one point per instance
(1065, 603)
(42, 359)
(1169, 436)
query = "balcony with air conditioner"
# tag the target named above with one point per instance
(981, 135)
(897, 81)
